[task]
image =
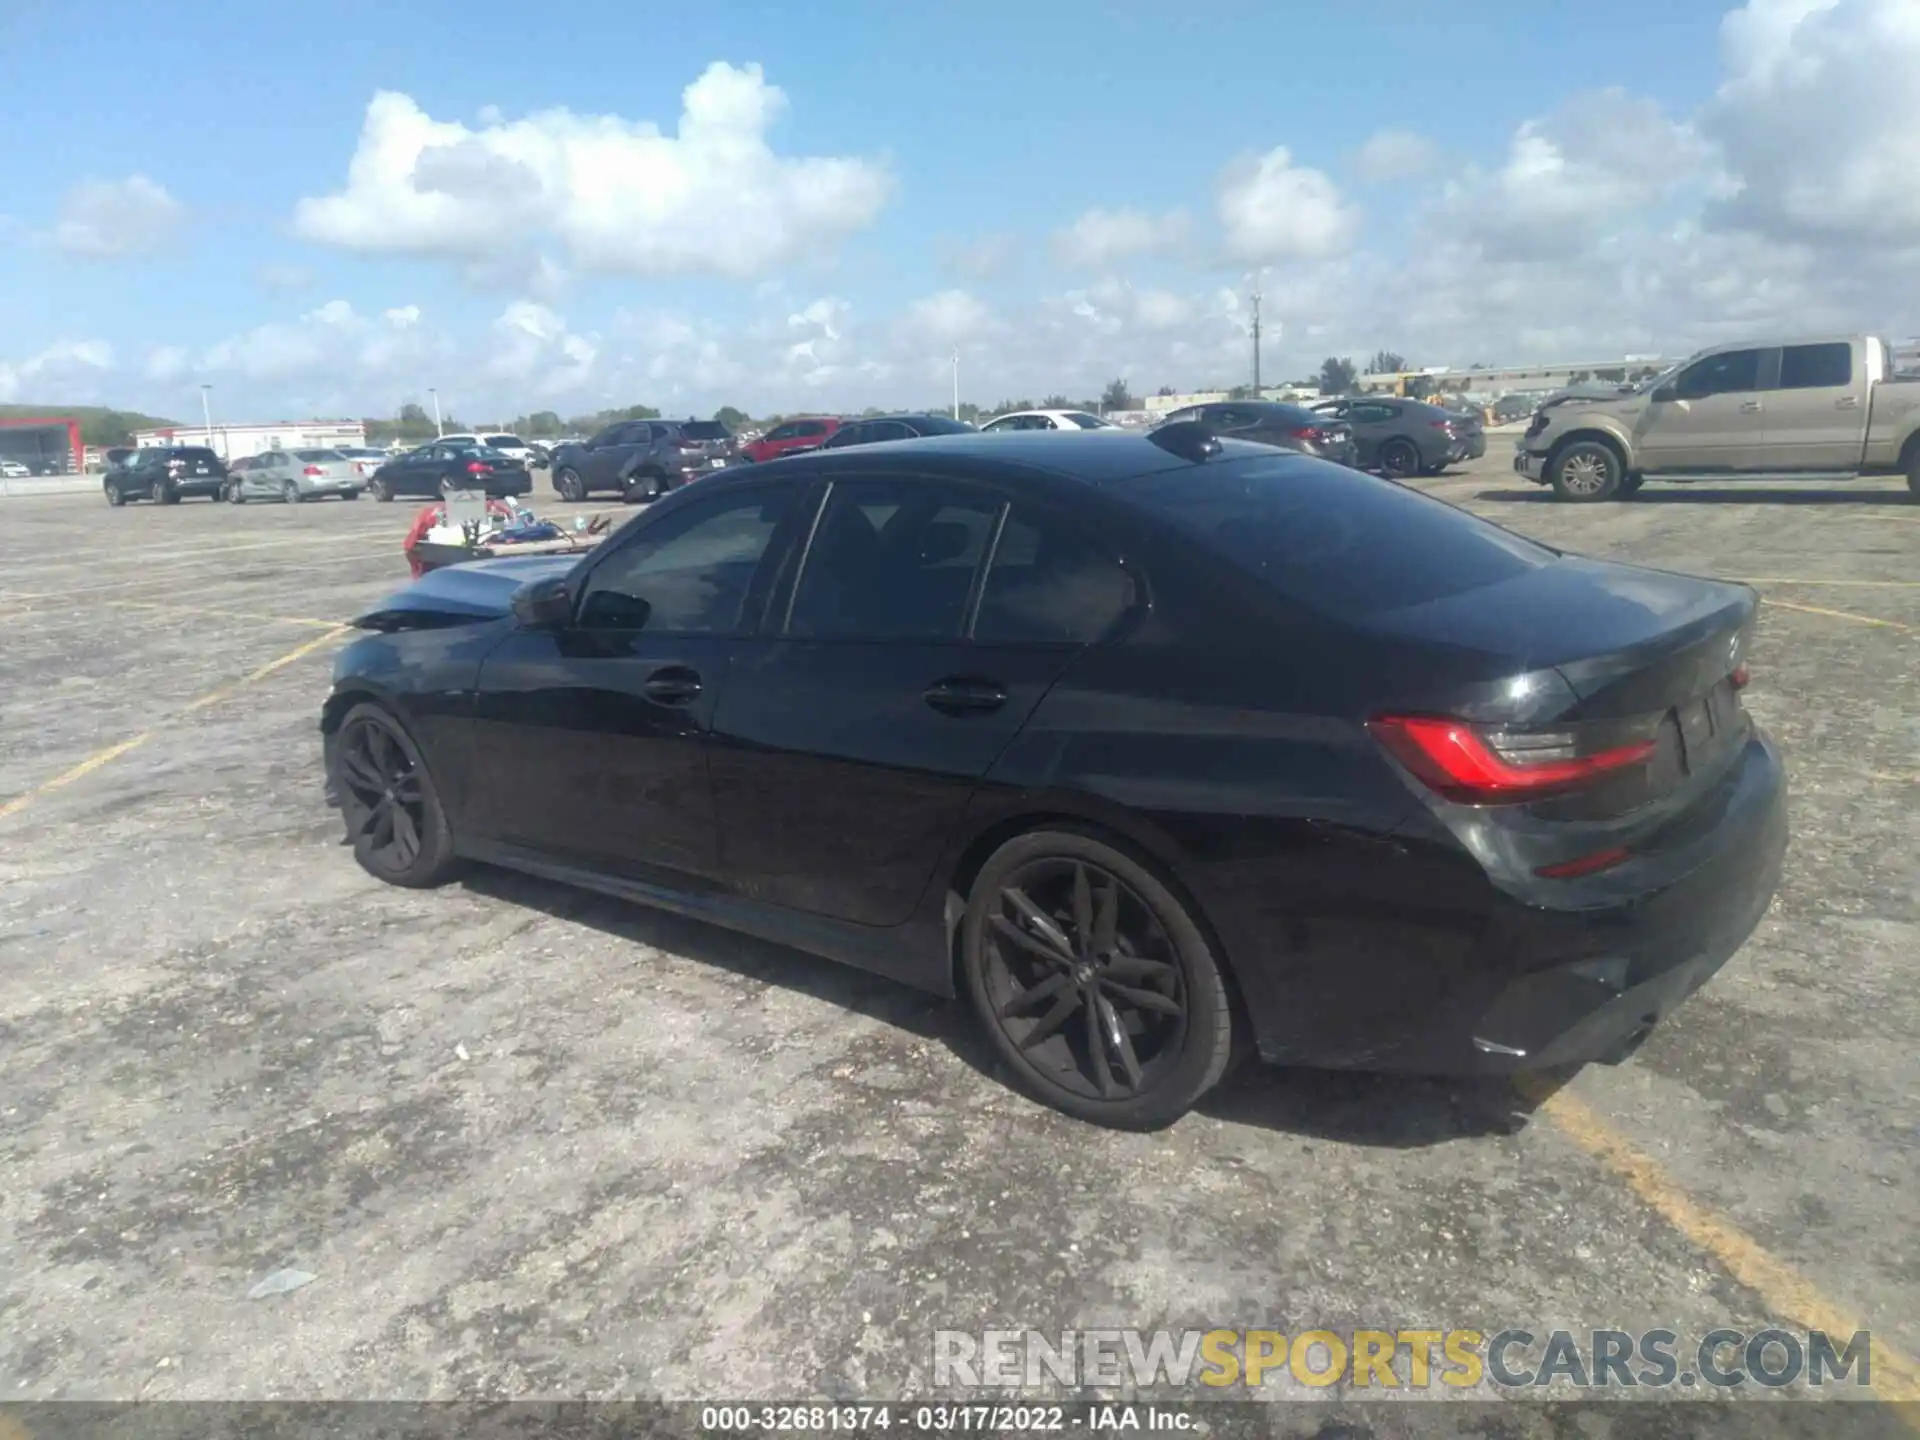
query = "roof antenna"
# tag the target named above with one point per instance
(1189, 439)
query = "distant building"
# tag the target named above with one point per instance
(232, 442)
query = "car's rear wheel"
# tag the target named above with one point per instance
(1584, 472)
(393, 814)
(380, 488)
(647, 487)
(568, 485)
(1399, 459)
(349, 494)
(1093, 982)
(113, 494)
(236, 493)
(290, 492)
(163, 494)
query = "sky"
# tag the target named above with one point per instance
(583, 205)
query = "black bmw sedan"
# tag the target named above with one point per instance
(1158, 750)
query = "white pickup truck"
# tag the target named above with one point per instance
(1824, 408)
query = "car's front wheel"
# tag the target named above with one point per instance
(380, 488)
(568, 485)
(1585, 471)
(1093, 982)
(290, 493)
(394, 818)
(236, 493)
(114, 494)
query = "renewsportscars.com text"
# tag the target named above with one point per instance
(1400, 1359)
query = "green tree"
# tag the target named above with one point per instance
(732, 416)
(1166, 390)
(1056, 402)
(1336, 376)
(1116, 396)
(1387, 362)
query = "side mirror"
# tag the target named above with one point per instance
(543, 605)
(1667, 393)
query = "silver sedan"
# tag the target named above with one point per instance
(294, 476)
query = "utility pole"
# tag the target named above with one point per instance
(437, 430)
(956, 382)
(1256, 344)
(206, 414)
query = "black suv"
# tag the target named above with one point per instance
(642, 459)
(166, 475)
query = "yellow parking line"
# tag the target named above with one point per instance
(1803, 580)
(1845, 615)
(1787, 1293)
(114, 752)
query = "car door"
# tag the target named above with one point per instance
(1815, 417)
(854, 731)
(1372, 422)
(857, 433)
(776, 442)
(608, 452)
(593, 737)
(1710, 418)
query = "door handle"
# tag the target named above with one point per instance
(1847, 402)
(674, 685)
(959, 695)
(1752, 407)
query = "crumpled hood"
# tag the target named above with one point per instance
(454, 594)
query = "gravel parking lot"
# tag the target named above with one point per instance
(534, 1142)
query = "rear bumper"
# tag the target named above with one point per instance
(1540, 988)
(318, 488)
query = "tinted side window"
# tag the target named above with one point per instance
(1727, 373)
(1808, 367)
(892, 560)
(808, 428)
(1048, 585)
(691, 573)
(782, 432)
(848, 435)
(1369, 414)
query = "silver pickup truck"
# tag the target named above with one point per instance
(1825, 408)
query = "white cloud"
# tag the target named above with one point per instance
(285, 277)
(981, 257)
(57, 372)
(112, 219)
(951, 317)
(1389, 155)
(615, 196)
(1272, 210)
(1099, 238)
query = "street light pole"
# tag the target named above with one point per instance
(206, 414)
(437, 430)
(1256, 344)
(956, 382)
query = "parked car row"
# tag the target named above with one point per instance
(1399, 438)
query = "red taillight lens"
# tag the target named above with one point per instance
(1740, 676)
(1451, 757)
(1446, 425)
(474, 467)
(1309, 432)
(313, 470)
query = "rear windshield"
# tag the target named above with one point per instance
(315, 457)
(1089, 422)
(1334, 540)
(704, 430)
(499, 440)
(941, 425)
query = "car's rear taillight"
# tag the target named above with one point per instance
(475, 467)
(1460, 761)
(1311, 433)
(1739, 678)
(1585, 864)
(313, 470)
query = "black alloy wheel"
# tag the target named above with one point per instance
(163, 494)
(1399, 459)
(380, 488)
(566, 484)
(113, 493)
(1093, 981)
(393, 815)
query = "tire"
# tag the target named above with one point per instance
(646, 486)
(290, 493)
(1152, 945)
(349, 494)
(236, 493)
(1913, 473)
(1585, 473)
(1399, 459)
(568, 485)
(447, 487)
(381, 490)
(385, 790)
(162, 493)
(114, 496)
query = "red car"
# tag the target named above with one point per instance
(790, 437)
